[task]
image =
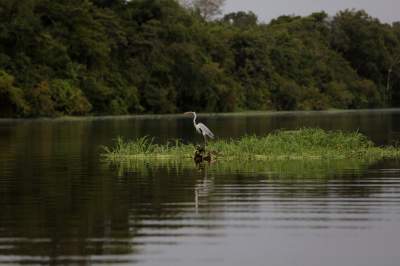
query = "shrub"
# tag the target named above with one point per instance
(12, 102)
(68, 99)
(57, 97)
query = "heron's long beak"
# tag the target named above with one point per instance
(187, 113)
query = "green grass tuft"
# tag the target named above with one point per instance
(303, 144)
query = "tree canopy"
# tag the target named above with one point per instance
(159, 56)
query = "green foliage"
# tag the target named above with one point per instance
(57, 97)
(156, 56)
(303, 144)
(12, 102)
(339, 94)
(366, 94)
(241, 19)
(68, 99)
(369, 46)
(252, 68)
(41, 101)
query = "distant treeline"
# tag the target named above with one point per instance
(79, 57)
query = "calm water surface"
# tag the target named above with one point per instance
(60, 204)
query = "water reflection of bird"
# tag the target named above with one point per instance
(203, 188)
(201, 128)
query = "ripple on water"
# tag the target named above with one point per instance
(61, 205)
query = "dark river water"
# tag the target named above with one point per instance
(60, 203)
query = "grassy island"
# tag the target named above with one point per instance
(303, 144)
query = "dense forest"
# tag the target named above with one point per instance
(78, 57)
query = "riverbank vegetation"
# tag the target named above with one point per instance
(303, 144)
(158, 56)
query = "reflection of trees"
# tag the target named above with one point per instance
(56, 201)
(55, 212)
(55, 215)
(100, 212)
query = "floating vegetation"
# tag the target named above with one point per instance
(303, 144)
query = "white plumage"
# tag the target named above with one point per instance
(201, 128)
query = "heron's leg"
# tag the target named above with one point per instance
(205, 142)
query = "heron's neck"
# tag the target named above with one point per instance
(194, 118)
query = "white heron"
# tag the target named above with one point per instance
(201, 128)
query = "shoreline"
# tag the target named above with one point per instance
(179, 115)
